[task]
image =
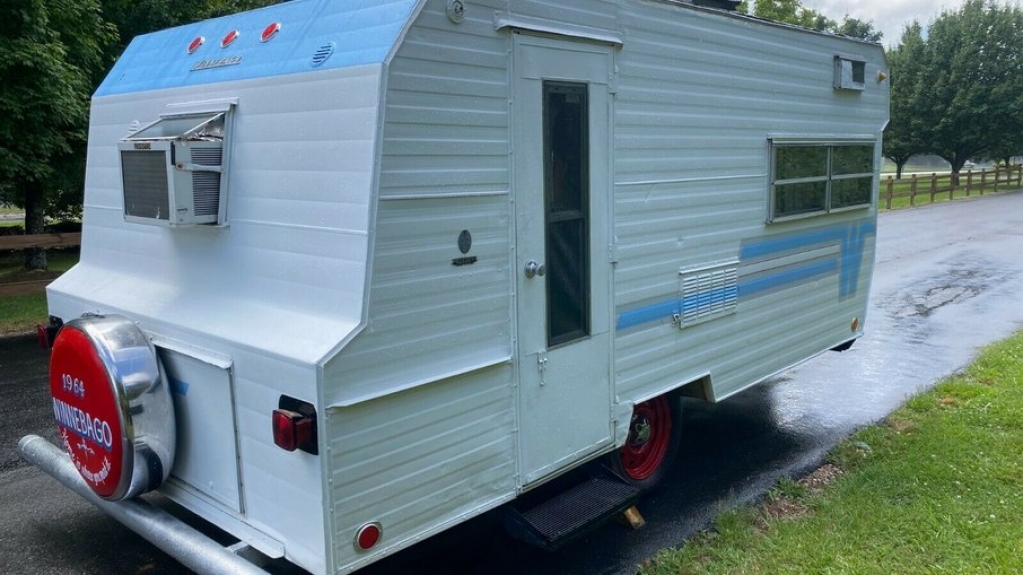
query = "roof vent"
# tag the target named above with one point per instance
(322, 54)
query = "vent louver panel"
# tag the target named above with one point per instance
(206, 185)
(144, 176)
(708, 293)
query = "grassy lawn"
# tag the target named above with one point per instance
(936, 488)
(21, 313)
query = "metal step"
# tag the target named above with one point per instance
(570, 513)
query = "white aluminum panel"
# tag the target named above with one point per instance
(420, 461)
(699, 94)
(288, 273)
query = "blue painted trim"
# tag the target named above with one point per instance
(851, 238)
(363, 32)
(790, 276)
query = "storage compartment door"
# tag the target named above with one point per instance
(207, 450)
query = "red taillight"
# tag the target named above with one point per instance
(42, 337)
(368, 536)
(292, 430)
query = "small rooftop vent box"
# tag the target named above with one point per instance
(173, 170)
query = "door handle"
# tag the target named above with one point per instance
(533, 268)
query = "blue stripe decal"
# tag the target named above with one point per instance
(789, 276)
(851, 239)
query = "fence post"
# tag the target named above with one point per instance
(969, 182)
(997, 175)
(1019, 176)
(983, 180)
(912, 191)
(934, 185)
(891, 192)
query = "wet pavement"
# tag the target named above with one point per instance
(948, 280)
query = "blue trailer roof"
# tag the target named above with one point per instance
(314, 34)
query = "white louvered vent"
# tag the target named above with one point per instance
(708, 293)
(206, 185)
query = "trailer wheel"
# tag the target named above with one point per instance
(654, 435)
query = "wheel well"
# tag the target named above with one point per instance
(699, 388)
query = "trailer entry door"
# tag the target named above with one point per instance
(562, 208)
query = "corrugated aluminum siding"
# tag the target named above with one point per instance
(415, 402)
(699, 94)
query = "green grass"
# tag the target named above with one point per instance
(21, 313)
(936, 488)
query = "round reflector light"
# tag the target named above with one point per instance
(270, 31)
(112, 407)
(229, 38)
(199, 41)
(368, 536)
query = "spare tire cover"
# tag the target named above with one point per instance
(112, 405)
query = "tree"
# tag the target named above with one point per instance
(973, 69)
(50, 53)
(904, 137)
(858, 29)
(793, 12)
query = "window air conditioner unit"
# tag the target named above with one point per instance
(173, 170)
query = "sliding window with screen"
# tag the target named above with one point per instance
(815, 178)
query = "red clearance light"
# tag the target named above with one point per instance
(292, 430)
(368, 536)
(270, 31)
(229, 38)
(199, 41)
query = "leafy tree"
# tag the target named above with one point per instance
(50, 54)
(973, 69)
(793, 12)
(858, 29)
(904, 135)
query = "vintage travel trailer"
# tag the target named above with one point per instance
(355, 271)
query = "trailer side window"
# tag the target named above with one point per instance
(810, 178)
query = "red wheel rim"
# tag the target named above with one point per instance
(649, 438)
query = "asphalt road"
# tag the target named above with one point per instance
(948, 280)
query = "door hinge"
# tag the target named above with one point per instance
(541, 364)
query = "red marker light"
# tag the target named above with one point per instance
(229, 38)
(195, 44)
(368, 536)
(270, 31)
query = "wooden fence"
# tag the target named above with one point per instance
(23, 242)
(930, 188)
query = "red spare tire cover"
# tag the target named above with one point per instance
(112, 406)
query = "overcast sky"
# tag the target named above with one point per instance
(889, 16)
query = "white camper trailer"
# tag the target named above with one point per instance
(355, 271)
